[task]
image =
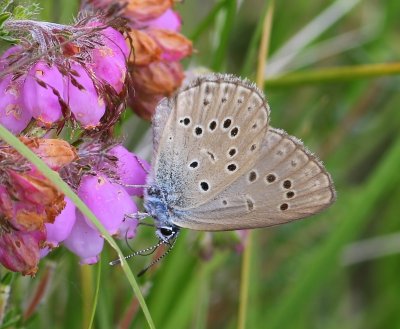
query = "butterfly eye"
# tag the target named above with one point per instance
(166, 231)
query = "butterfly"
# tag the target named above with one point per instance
(218, 165)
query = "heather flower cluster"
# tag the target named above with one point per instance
(75, 81)
(158, 49)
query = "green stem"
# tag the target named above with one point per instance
(245, 281)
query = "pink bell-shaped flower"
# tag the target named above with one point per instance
(83, 100)
(109, 60)
(43, 88)
(108, 201)
(13, 115)
(62, 226)
(131, 169)
(84, 241)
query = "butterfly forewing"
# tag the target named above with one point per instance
(212, 136)
(286, 183)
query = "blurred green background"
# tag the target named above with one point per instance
(337, 269)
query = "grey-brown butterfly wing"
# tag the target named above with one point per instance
(211, 137)
(158, 123)
(286, 183)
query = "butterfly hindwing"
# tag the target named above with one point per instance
(286, 183)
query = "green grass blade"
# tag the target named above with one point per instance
(223, 39)
(334, 74)
(96, 295)
(207, 21)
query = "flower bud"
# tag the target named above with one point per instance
(174, 46)
(84, 241)
(108, 201)
(43, 88)
(56, 153)
(144, 10)
(83, 100)
(158, 78)
(13, 115)
(131, 169)
(145, 105)
(19, 250)
(145, 49)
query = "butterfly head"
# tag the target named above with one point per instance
(167, 234)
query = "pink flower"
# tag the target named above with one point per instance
(13, 115)
(127, 229)
(170, 20)
(84, 241)
(82, 97)
(109, 60)
(10, 56)
(108, 201)
(42, 91)
(62, 226)
(131, 169)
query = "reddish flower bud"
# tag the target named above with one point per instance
(144, 104)
(158, 78)
(43, 88)
(174, 45)
(143, 10)
(84, 241)
(35, 200)
(83, 100)
(56, 153)
(19, 250)
(13, 115)
(145, 49)
(131, 169)
(108, 201)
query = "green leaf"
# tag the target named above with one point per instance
(4, 17)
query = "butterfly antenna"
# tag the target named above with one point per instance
(158, 259)
(140, 252)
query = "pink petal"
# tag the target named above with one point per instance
(170, 20)
(62, 226)
(127, 230)
(84, 241)
(86, 105)
(131, 169)
(108, 201)
(41, 101)
(109, 61)
(13, 115)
